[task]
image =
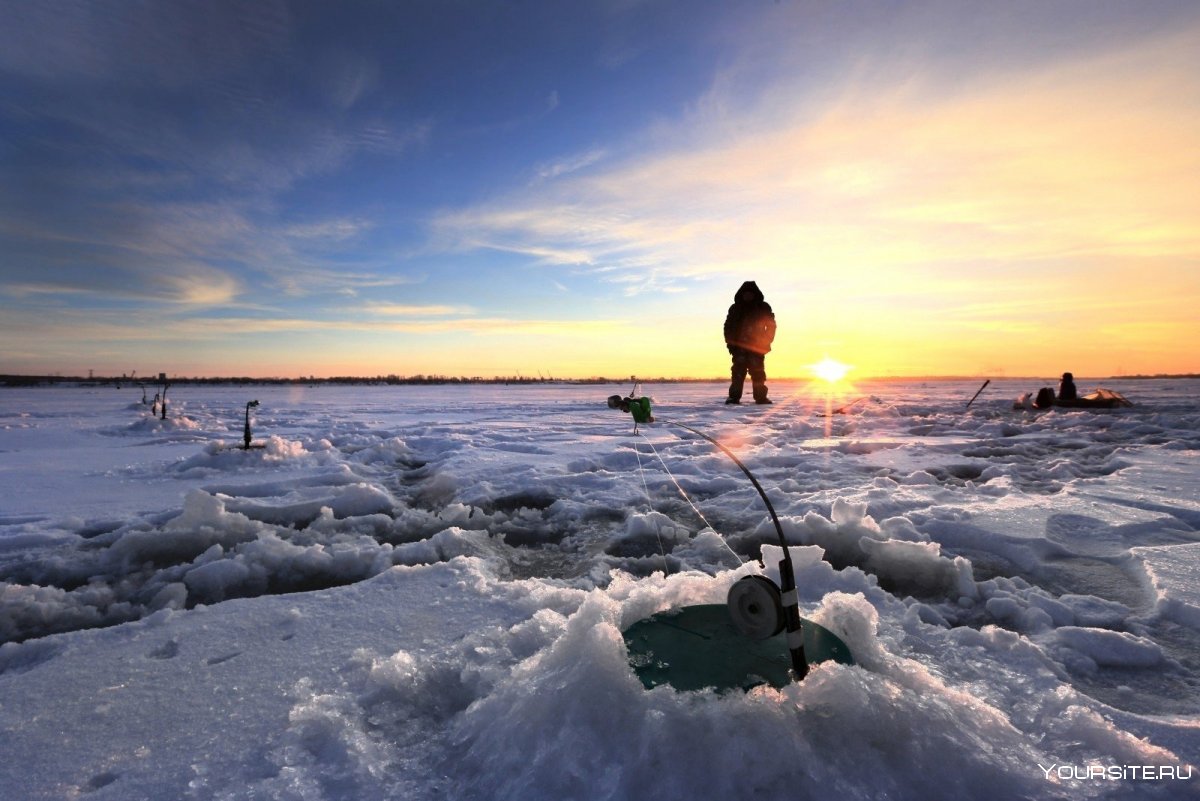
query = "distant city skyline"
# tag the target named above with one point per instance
(577, 189)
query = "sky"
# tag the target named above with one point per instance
(504, 187)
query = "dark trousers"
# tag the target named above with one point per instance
(747, 361)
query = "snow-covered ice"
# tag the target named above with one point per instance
(418, 592)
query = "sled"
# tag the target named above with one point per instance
(1100, 399)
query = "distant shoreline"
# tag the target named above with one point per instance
(423, 380)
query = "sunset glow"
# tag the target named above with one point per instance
(1003, 193)
(830, 370)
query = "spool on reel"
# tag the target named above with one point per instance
(756, 607)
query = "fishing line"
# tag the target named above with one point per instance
(762, 493)
(785, 596)
(650, 503)
(788, 597)
(641, 413)
(688, 498)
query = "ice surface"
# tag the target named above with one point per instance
(1175, 575)
(418, 592)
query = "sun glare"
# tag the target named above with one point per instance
(829, 370)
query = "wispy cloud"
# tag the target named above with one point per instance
(119, 192)
(202, 286)
(554, 169)
(179, 161)
(334, 230)
(75, 327)
(198, 285)
(406, 310)
(881, 176)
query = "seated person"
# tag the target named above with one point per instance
(1066, 390)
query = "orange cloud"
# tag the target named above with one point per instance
(894, 212)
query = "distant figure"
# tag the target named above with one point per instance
(1044, 399)
(749, 332)
(1066, 390)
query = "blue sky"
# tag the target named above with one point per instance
(481, 188)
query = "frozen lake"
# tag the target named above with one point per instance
(417, 592)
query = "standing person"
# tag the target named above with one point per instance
(1066, 390)
(749, 332)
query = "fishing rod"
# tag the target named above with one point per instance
(759, 608)
(850, 405)
(753, 599)
(246, 431)
(976, 395)
(844, 409)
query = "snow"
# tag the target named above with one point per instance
(419, 592)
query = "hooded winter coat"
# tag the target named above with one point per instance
(750, 323)
(1066, 389)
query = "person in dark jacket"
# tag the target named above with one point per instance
(749, 332)
(1066, 390)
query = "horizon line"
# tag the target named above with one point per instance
(25, 379)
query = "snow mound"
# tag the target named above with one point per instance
(222, 457)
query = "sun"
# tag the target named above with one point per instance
(830, 370)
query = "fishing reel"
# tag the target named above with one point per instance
(638, 407)
(629, 404)
(756, 607)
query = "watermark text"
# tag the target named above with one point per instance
(1118, 772)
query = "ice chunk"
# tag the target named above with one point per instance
(1110, 648)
